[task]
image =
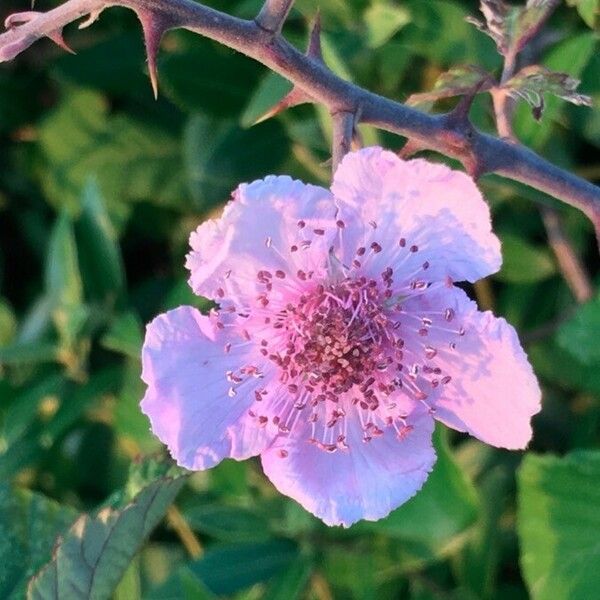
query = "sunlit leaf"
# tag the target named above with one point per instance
(93, 555)
(531, 83)
(558, 524)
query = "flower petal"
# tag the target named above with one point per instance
(365, 482)
(266, 227)
(189, 400)
(493, 392)
(429, 206)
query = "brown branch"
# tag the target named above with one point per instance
(570, 266)
(435, 132)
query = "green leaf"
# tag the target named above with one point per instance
(558, 524)
(579, 335)
(101, 263)
(227, 523)
(94, 554)
(203, 77)
(63, 280)
(130, 159)
(532, 82)
(8, 323)
(524, 263)
(570, 56)
(383, 20)
(29, 525)
(219, 155)
(589, 10)
(292, 582)
(455, 82)
(443, 509)
(228, 569)
(269, 92)
(125, 335)
(511, 27)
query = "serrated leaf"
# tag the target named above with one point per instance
(523, 262)
(94, 554)
(29, 525)
(532, 82)
(455, 82)
(511, 27)
(571, 55)
(558, 523)
(579, 335)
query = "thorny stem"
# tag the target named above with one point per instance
(436, 132)
(343, 131)
(273, 14)
(570, 266)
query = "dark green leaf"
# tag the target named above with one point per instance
(524, 263)
(580, 334)
(558, 525)
(94, 554)
(29, 525)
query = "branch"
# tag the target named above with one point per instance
(273, 14)
(435, 132)
(343, 132)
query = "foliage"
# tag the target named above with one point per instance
(99, 188)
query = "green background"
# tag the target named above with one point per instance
(100, 186)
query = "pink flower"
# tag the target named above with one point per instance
(340, 336)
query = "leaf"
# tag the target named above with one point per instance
(94, 554)
(524, 263)
(269, 92)
(125, 335)
(100, 257)
(572, 55)
(129, 158)
(203, 77)
(383, 20)
(228, 523)
(228, 569)
(531, 83)
(511, 27)
(8, 323)
(579, 335)
(457, 81)
(442, 510)
(589, 10)
(63, 280)
(219, 155)
(558, 523)
(292, 582)
(29, 525)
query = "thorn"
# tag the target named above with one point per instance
(314, 49)
(154, 26)
(18, 19)
(295, 97)
(59, 40)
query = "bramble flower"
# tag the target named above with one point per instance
(340, 336)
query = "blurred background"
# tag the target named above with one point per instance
(100, 186)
